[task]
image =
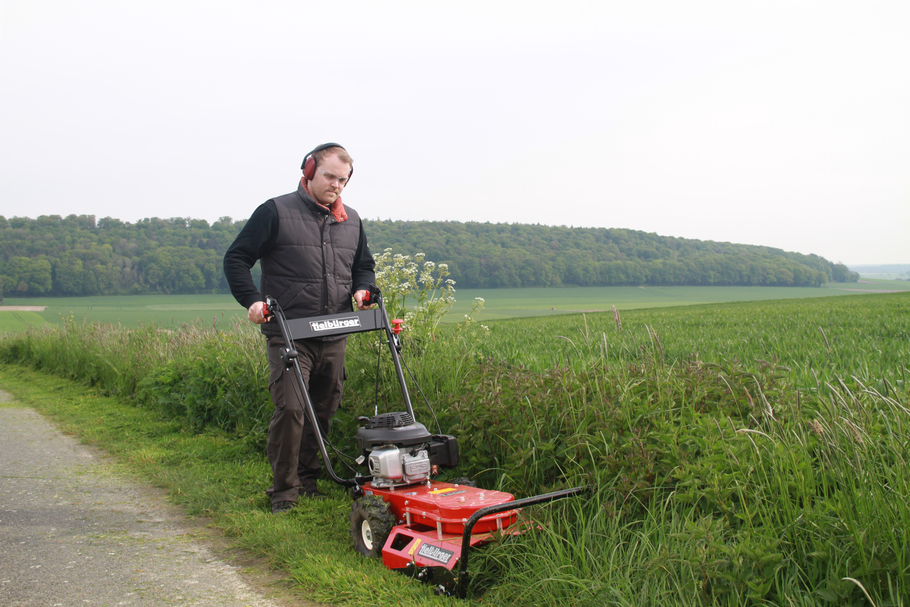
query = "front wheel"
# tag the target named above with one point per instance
(371, 523)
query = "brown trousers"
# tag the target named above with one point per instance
(292, 447)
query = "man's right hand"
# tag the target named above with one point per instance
(255, 313)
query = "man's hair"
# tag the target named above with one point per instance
(339, 151)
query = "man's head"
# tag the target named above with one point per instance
(327, 170)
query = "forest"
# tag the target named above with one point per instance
(77, 255)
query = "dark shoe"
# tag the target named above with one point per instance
(278, 507)
(316, 494)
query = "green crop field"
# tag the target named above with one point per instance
(17, 320)
(169, 311)
(166, 311)
(519, 303)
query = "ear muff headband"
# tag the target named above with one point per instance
(309, 161)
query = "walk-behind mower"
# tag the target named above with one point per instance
(417, 525)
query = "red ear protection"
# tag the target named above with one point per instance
(309, 167)
(309, 161)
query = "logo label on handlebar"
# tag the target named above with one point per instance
(335, 323)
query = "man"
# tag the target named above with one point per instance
(314, 258)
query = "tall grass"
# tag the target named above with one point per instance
(723, 513)
(742, 454)
(204, 376)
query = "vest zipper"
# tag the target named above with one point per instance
(325, 271)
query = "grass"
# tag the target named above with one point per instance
(18, 321)
(171, 311)
(522, 303)
(819, 338)
(752, 453)
(166, 311)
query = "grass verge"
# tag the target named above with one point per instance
(211, 475)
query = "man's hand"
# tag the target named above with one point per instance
(358, 299)
(255, 313)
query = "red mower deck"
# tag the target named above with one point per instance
(432, 518)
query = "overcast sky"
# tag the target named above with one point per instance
(784, 124)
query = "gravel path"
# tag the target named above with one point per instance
(22, 308)
(74, 532)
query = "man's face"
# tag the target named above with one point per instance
(326, 184)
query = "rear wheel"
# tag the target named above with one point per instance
(371, 523)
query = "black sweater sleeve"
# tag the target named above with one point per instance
(362, 270)
(254, 241)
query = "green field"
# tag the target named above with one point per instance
(169, 311)
(166, 311)
(17, 321)
(521, 303)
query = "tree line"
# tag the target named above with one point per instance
(520, 255)
(77, 255)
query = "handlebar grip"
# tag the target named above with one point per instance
(371, 296)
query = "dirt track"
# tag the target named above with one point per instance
(75, 532)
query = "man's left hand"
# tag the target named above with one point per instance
(358, 299)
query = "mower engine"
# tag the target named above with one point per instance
(401, 452)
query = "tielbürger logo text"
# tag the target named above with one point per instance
(435, 553)
(335, 323)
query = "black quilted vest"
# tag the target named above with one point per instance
(308, 269)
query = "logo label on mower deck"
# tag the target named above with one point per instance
(335, 323)
(435, 553)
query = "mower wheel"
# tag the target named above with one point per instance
(371, 523)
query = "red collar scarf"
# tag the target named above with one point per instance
(337, 207)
